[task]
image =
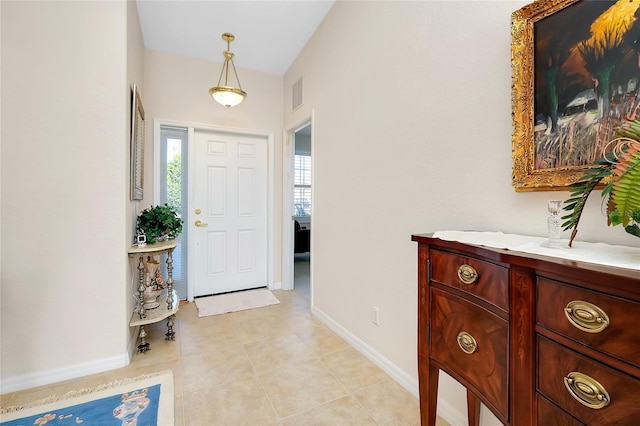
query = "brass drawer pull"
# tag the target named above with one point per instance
(467, 343)
(467, 274)
(586, 316)
(586, 390)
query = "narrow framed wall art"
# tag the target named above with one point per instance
(137, 145)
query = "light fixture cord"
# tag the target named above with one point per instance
(236, 73)
(228, 56)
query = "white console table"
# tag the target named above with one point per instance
(168, 300)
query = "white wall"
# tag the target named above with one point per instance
(65, 214)
(412, 112)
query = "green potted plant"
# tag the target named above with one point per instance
(159, 222)
(619, 170)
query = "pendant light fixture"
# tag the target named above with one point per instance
(225, 94)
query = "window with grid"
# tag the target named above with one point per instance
(302, 185)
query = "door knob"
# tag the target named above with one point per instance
(201, 223)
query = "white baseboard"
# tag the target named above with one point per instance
(133, 343)
(275, 286)
(450, 414)
(26, 381)
(396, 373)
(445, 410)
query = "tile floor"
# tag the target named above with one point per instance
(276, 365)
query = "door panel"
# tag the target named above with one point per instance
(230, 189)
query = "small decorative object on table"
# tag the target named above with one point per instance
(141, 239)
(553, 224)
(154, 283)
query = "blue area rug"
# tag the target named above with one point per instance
(144, 400)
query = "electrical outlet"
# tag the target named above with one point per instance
(375, 315)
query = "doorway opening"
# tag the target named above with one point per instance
(302, 207)
(249, 144)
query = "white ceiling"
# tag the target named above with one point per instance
(269, 34)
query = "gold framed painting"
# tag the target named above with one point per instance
(575, 78)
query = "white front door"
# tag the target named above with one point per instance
(230, 205)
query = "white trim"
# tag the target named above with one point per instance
(396, 373)
(27, 381)
(271, 219)
(191, 263)
(313, 203)
(276, 286)
(133, 343)
(156, 161)
(450, 414)
(287, 209)
(192, 128)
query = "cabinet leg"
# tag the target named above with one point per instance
(144, 345)
(473, 409)
(432, 398)
(171, 335)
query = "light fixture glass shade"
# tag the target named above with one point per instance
(227, 96)
(224, 93)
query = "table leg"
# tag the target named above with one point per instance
(141, 287)
(171, 335)
(144, 345)
(473, 409)
(432, 396)
(170, 279)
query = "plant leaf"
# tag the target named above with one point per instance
(625, 188)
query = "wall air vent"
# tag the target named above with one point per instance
(296, 94)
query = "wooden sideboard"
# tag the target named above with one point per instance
(539, 340)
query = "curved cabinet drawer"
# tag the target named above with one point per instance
(490, 282)
(556, 363)
(611, 323)
(479, 356)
